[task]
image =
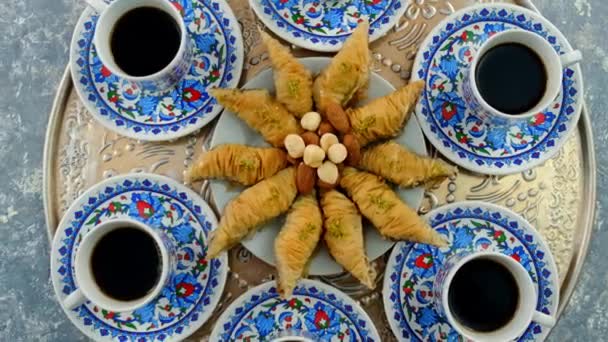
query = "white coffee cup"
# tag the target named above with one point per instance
(87, 288)
(553, 63)
(159, 81)
(526, 308)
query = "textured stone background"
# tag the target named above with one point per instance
(34, 38)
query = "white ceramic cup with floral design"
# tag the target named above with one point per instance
(526, 307)
(554, 65)
(159, 81)
(85, 280)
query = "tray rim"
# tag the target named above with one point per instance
(584, 230)
(52, 131)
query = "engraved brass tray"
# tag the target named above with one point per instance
(558, 197)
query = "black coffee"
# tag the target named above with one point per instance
(126, 264)
(511, 78)
(144, 41)
(483, 295)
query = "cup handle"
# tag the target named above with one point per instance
(74, 299)
(98, 5)
(543, 319)
(570, 58)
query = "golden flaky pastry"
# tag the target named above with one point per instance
(347, 73)
(252, 207)
(339, 85)
(297, 241)
(243, 164)
(400, 166)
(381, 205)
(292, 81)
(260, 111)
(384, 117)
(344, 236)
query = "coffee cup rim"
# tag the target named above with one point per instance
(539, 107)
(87, 285)
(528, 286)
(104, 52)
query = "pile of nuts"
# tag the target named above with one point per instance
(320, 150)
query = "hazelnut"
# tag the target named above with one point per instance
(328, 173)
(294, 144)
(337, 153)
(327, 140)
(321, 184)
(311, 121)
(313, 156)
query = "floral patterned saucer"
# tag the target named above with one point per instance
(323, 25)
(121, 106)
(197, 285)
(442, 62)
(469, 226)
(316, 311)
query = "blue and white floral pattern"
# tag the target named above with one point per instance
(443, 62)
(123, 107)
(469, 226)
(189, 297)
(324, 25)
(315, 310)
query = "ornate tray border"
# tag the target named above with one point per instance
(584, 224)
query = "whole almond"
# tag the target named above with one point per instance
(337, 118)
(354, 150)
(306, 177)
(326, 127)
(310, 138)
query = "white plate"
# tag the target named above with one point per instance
(230, 129)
